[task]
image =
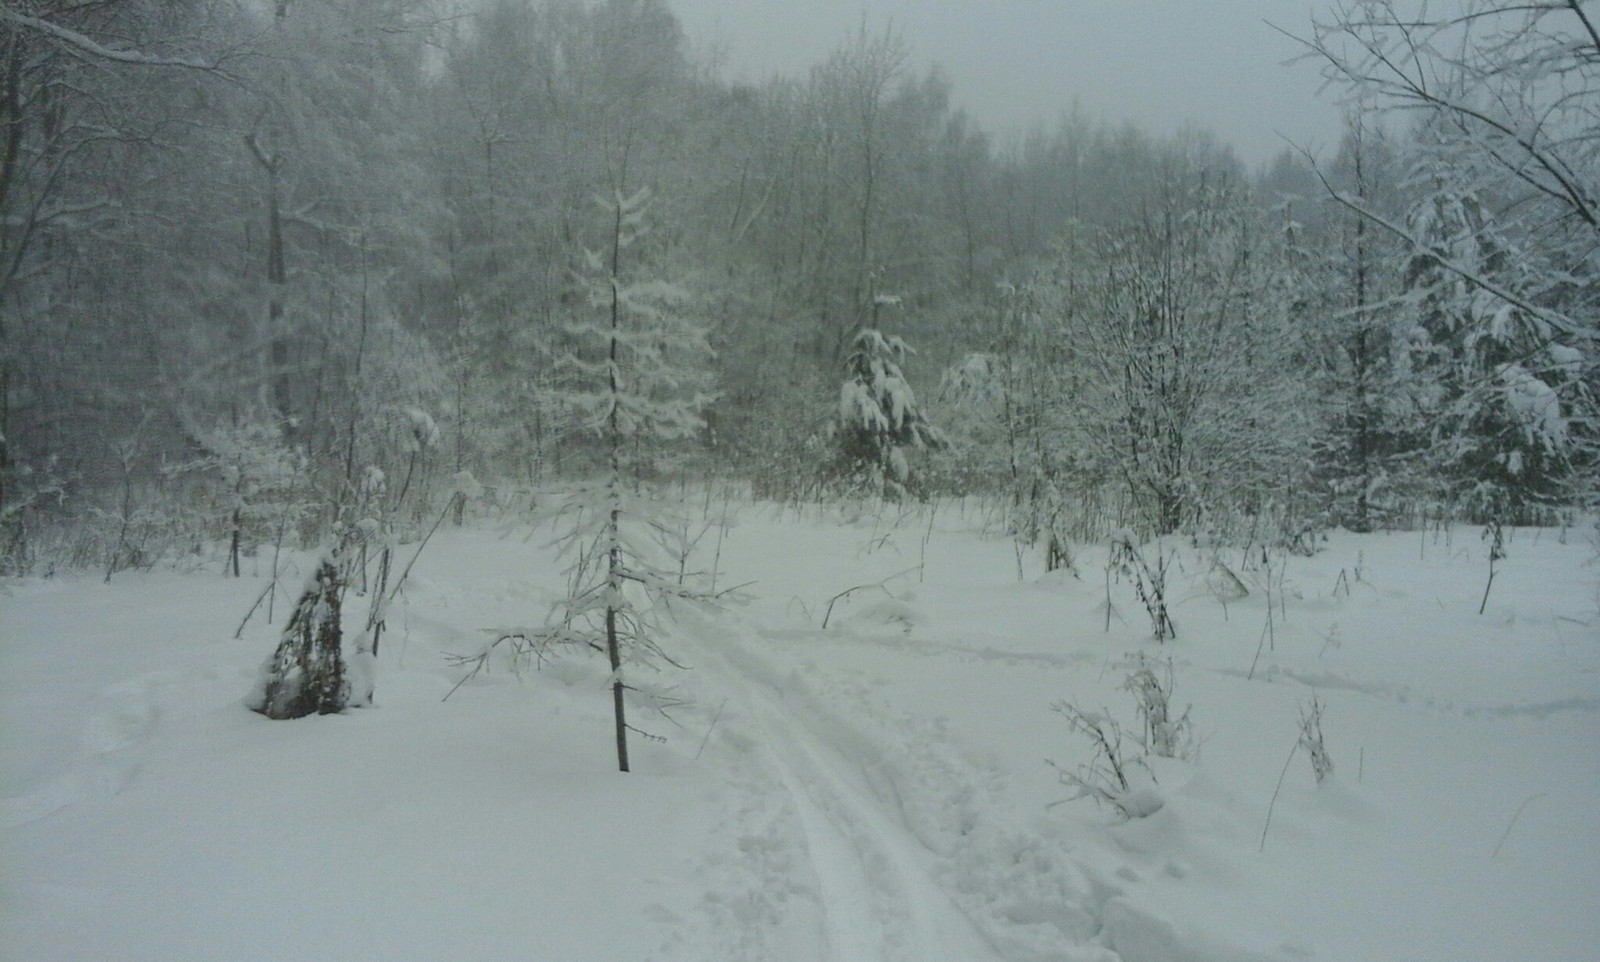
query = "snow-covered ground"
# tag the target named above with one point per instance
(876, 790)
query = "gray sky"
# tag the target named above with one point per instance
(1157, 63)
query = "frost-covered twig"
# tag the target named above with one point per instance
(713, 727)
(87, 45)
(406, 571)
(1150, 583)
(523, 643)
(1164, 735)
(1513, 823)
(1495, 535)
(852, 590)
(1273, 804)
(1311, 740)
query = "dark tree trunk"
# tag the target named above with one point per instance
(277, 279)
(277, 284)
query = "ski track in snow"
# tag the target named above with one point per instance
(913, 857)
(858, 826)
(1406, 694)
(879, 899)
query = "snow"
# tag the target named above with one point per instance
(875, 790)
(858, 407)
(424, 432)
(1536, 406)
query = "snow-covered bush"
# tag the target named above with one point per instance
(26, 490)
(1164, 734)
(1109, 777)
(253, 476)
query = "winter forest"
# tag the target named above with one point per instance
(253, 258)
(327, 298)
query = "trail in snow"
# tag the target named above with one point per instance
(851, 906)
(875, 792)
(879, 898)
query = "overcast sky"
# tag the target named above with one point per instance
(1157, 63)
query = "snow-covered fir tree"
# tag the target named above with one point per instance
(1361, 452)
(1499, 335)
(308, 673)
(636, 378)
(879, 418)
(1493, 424)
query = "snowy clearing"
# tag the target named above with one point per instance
(877, 790)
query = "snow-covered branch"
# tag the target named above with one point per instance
(1504, 93)
(82, 43)
(1555, 319)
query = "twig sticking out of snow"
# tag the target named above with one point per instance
(714, 719)
(1512, 824)
(1106, 777)
(1495, 535)
(1273, 804)
(852, 590)
(1311, 740)
(1149, 582)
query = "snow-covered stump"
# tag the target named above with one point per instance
(307, 674)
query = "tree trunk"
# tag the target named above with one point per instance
(614, 531)
(277, 280)
(282, 397)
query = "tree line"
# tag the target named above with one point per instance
(263, 267)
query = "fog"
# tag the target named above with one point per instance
(268, 269)
(1223, 66)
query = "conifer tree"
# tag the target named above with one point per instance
(1500, 272)
(1362, 452)
(1481, 366)
(879, 416)
(636, 380)
(308, 674)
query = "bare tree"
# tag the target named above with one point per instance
(91, 97)
(1175, 358)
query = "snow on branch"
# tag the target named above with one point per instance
(1555, 319)
(1404, 60)
(85, 44)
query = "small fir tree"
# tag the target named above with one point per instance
(1361, 451)
(637, 381)
(879, 417)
